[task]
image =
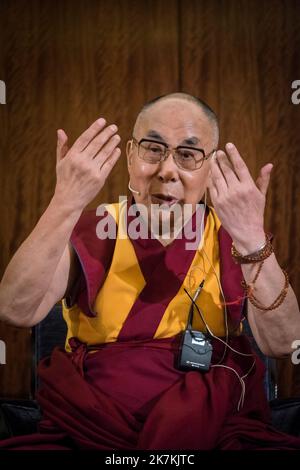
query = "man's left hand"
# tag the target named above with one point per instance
(238, 200)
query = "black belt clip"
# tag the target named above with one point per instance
(195, 350)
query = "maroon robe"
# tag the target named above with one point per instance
(129, 394)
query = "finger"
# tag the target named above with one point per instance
(212, 189)
(85, 138)
(263, 180)
(218, 177)
(238, 164)
(226, 168)
(100, 141)
(110, 162)
(62, 144)
(107, 150)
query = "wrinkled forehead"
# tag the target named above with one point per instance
(175, 122)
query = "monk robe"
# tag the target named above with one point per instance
(117, 385)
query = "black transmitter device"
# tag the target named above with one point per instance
(195, 350)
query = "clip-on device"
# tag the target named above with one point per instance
(195, 349)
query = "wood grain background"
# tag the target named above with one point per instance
(66, 62)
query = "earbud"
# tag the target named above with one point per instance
(132, 190)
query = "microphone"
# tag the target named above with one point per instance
(132, 190)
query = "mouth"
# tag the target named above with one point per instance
(164, 199)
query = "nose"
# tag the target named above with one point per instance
(168, 170)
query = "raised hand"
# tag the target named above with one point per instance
(82, 170)
(238, 200)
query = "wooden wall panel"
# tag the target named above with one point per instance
(66, 63)
(241, 57)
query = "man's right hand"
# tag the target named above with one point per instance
(44, 266)
(82, 170)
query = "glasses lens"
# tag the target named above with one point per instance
(189, 159)
(151, 152)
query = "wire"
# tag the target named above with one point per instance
(213, 335)
(243, 392)
(227, 346)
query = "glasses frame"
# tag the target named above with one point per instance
(172, 150)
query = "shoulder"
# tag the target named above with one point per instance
(89, 219)
(89, 236)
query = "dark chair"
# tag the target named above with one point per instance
(19, 417)
(51, 332)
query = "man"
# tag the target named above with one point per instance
(127, 300)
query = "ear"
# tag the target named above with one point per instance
(129, 153)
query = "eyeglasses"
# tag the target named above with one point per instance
(186, 158)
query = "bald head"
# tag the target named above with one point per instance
(179, 98)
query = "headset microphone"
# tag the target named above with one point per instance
(133, 190)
